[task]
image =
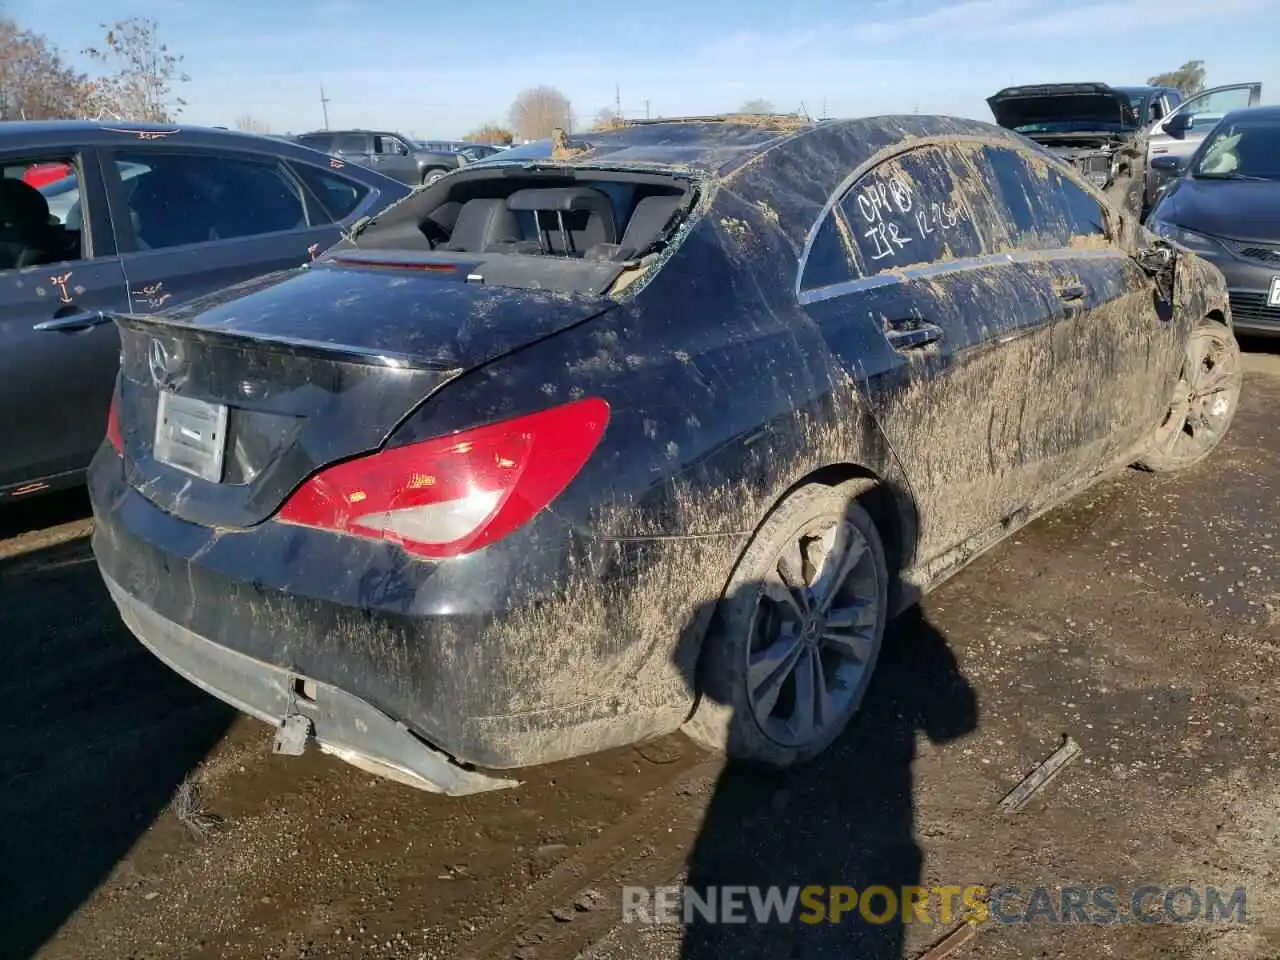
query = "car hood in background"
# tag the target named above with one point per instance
(1016, 107)
(1236, 209)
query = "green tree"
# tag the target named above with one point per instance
(1188, 78)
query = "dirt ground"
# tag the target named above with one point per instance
(1143, 619)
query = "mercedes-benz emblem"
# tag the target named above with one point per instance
(165, 364)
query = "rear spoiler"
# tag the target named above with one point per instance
(159, 325)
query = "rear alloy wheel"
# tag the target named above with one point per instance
(795, 640)
(431, 176)
(1204, 401)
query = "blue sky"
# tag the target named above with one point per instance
(437, 69)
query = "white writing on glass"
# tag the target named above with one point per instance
(883, 202)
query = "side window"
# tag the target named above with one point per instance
(1083, 214)
(41, 216)
(317, 141)
(350, 143)
(1207, 109)
(338, 195)
(915, 208)
(828, 261)
(182, 198)
(1042, 206)
(390, 146)
(1173, 97)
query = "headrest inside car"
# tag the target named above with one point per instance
(558, 198)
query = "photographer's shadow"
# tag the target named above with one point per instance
(846, 819)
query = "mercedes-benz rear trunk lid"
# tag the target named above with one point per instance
(226, 405)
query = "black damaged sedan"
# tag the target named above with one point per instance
(597, 440)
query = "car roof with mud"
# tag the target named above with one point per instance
(794, 164)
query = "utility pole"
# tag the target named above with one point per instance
(324, 106)
(646, 109)
(824, 107)
(617, 101)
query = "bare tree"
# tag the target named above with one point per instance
(607, 118)
(1188, 78)
(537, 111)
(251, 124)
(140, 72)
(758, 105)
(490, 133)
(35, 82)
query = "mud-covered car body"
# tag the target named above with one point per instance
(929, 302)
(1093, 126)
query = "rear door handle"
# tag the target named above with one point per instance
(912, 334)
(1159, 150)
(1071, 291)
(74, 321)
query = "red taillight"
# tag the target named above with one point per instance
(113, 423)
(451, 495)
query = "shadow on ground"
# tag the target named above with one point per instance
(1252, 343)
(847, 819)
(95, 733)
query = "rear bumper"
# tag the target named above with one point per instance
(338, 723)
(527, 652)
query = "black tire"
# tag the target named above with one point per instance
(1204, 402)
(728, 718)
(432, 175)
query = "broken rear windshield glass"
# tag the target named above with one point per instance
(570, 229)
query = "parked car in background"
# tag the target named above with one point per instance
(150, 217)
(472, 152)
(1180, 132)
(469, 151)
(1092, 126)
(1225, 207)
(1112, 133)
(578, 446)
(1149, 103)
(39, 174)
(389, 153)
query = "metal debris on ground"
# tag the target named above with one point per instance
(952, 942)
(190, 811)
(1041, 776)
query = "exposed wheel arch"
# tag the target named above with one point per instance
(894, 519)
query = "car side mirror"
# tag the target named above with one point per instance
(1178, 124)
(1156, 258)
(1160, 262)
(1167, 164)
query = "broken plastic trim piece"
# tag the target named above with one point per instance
(292, 736)
(1041, 776)
(338, 722)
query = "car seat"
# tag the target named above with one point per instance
(168, 211)
(27, 236)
